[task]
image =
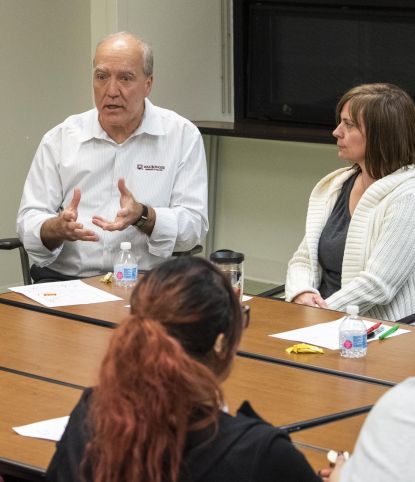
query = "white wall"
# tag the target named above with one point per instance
(45, 76)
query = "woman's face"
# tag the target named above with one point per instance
(351, 141)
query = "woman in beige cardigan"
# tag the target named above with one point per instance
(359, 245)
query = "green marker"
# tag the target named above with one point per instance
(389, 332)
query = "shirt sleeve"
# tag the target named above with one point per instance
(184, 223)
(282, 461)
(384, 449)
(391, 260)
(300, 276)
(41, 200)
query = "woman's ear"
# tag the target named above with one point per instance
(219, 345)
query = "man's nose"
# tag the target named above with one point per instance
(112, 88)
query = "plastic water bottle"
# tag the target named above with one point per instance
(125, 266)
(352, 334)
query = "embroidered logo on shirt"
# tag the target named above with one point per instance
(150, 167)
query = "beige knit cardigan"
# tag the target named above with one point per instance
(378, 271)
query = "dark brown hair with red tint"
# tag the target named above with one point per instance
(161, 370)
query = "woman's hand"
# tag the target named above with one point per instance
(310, 299)
(332, 474)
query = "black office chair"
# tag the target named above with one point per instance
(15, 243)
(277, 290)
(407, 320)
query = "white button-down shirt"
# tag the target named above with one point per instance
(164, 166)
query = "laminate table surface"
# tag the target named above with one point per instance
(280, 394)
(48, 346)
(387, 362)
(63, 351)
(25, 400)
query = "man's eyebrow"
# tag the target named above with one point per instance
(127, 72)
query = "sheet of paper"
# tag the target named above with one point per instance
(246, 298)
(51, 429)
(64, 293)
(325, 335)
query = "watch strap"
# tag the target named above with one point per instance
(141, 221)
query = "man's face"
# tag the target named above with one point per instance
(120, 86)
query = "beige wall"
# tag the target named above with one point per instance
(262, 194)
(186, 38)
(44, 77)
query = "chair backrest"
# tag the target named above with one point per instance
(15, 243)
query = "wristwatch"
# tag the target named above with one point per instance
(141, 221)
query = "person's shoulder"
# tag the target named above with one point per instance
(73, 123)
(171, 117)
(333, 181)
(397, 398)
(268, 449)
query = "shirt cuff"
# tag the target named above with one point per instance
(38, 252)
(163, 238)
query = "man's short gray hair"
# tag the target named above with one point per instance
(148, 59)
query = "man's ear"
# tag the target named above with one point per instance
(149, 84)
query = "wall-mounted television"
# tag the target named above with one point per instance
(294, 59)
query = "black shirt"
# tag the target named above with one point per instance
(245, 449)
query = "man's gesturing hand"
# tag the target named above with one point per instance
(65, 227)
(127, 215)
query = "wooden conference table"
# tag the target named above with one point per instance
(387, 362)
(45, 360)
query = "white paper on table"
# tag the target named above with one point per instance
(246, 298)
(326, 335)
(64, 293)
(51, 429)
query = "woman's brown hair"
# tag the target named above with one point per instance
(388, 116)
(159, 378)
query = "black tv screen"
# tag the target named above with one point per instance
(298, 59)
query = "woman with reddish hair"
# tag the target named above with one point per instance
(157, 412)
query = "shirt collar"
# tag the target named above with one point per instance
(151, 124)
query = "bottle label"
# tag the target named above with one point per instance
(355, 341)
(128, 273)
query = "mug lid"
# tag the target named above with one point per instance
(226, 256)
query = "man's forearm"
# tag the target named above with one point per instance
(50, 234)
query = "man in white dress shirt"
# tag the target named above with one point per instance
(124, 171)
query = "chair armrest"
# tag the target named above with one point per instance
(15, 243)
(191, 252)
(10, 243)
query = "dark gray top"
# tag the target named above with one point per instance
(333, 240)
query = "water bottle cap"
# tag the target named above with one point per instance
(125, 245)
(352, 309)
